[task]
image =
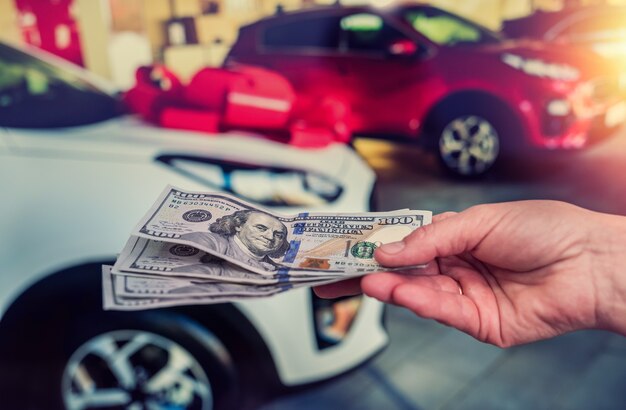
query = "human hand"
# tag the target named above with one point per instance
(508, 273)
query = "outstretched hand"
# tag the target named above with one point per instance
(508, 273)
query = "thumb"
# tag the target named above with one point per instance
(449, 234)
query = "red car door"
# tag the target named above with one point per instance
(383, 67)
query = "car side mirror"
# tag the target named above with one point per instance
(402, 48)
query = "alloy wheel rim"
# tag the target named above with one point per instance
(134, 370)
(469, 145)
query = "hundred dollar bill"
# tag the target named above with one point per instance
(133, 285)
(267, 243)
(112, 301)
(139, 292)
(152, 257)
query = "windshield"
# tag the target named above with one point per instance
(36, 94)
(446, 29)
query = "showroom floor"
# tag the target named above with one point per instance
(429, 366)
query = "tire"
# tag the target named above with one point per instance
(133, 361)
(468, 139)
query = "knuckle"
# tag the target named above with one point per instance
(443, 216)
(419, 234)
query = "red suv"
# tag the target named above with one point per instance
(420, 73)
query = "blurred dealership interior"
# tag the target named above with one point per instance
(113, 37)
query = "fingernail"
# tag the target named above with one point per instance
(393, 247)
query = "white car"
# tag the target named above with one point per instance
(76, 175)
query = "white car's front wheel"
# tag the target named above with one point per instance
(122, 361)
(134, 369)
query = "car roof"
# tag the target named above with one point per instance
(321, 11)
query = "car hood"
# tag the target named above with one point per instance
(270, 173)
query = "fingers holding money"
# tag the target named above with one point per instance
(449, 234)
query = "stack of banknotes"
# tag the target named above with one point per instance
(199, 248)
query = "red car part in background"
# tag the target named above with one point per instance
(238, 98)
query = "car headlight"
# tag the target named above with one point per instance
(541, 68)
(559, 108)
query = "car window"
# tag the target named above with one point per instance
(35, 94)
(368, 32)
(312, 33)
(447, 29)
